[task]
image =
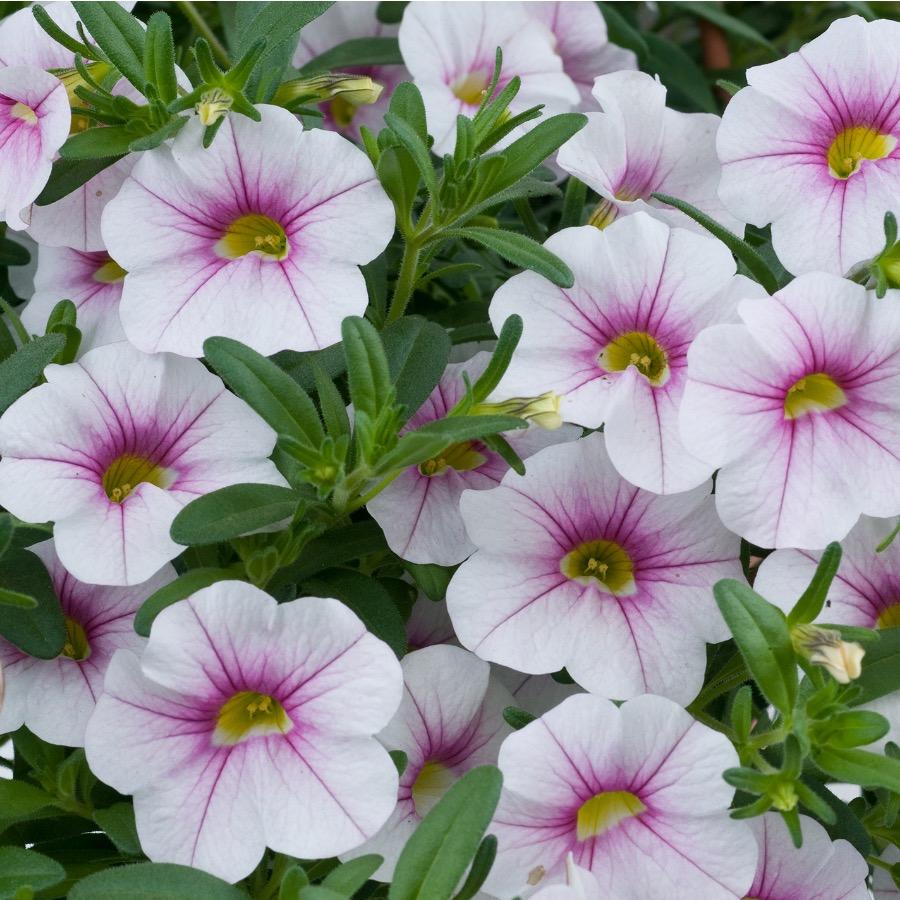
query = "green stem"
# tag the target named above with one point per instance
(20, 330)
(406, 281)
(201, 26)
(362, 501)
(880, 863)
(529, 220)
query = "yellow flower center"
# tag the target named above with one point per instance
(462, 457)
(470, 88)
(889, 617)
(813, 394)
(432, 782)
(853, 145)
(605, 213)
(109, 273)
(603, 564)
(24, 112)
(253, 233)
(76, 646)
(127, 471)
(638, 349)
(606, 810)
(249, 714)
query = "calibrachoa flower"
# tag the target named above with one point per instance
(811, 146)
(450, 50)
(576, 568)
(258, 238)
(248, 724)
(580, 885)
(428, 624)
(343, 22)
(34, 122)
(579, 32)
(113, 446)
(615, 344)
(819, 870)
(54, 698)
(449, 721)
(92, 281)
(800, 407)
(419, 510)
(637, 147)
(634, 793)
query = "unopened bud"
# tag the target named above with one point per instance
(213, 105)
(543, 411)
(784, 797)
(356, 90)
(825, 647)
(72, 78)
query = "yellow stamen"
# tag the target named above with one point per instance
(24, 112)
(638, 349)
(253, 233)
(605, 213)
(462, 457)
(603, 564)
(127, 471)
(813, 394)
(470, 88)
(76, 646)
(432, 782)
(250, 714)
(605, 811)
(889, 617)
(109, 273)
(853, 145)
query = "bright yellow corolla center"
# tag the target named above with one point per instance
(813, 394)
(253, 233)
(462, 457)
(24, 112)
(249, 714)
(470, 88)
(76, 646)
(605, 811)
(432, 782)
(109, 273)
(853, 145)
(890, 617)
(127, 471)
(603, 564)
(638, 349)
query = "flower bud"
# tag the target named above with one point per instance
(213, 105)
(543, 411)
(356, 90)
(825, 647)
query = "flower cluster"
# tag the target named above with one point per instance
(438, 449)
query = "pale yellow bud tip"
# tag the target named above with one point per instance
(825, 647)
(543, 411)
(213, 106)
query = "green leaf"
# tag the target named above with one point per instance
(431, 579)
(728, 23)
(481, 867)
(441, 848)
(159, 57)
(417, 353)
(621, 32)
(760, 630)
(811, 602)
(98, 143)
(278, 21)
(118, 34)
(13, 254)
(7, 530)
(401, 760)
(850, 728)
(390, 11)
(365, 51)
(295, 879)
(755, 264)
(517, 718)
(519, 250)
(679, 72)
(858, 767)
(368, 374)
(232, 511)
(19, 801)
(118, 823)
(19, 600)
(160, 136)
(19, 372)
(507, 341)
(368, 599)
(39, 630)
(266, 388)
(880, 668)
(416, 148)
(182, 587)
(349, 877)
(407, 104)
(68, 175)
(154, 881)
(846, 824)
(21, 868)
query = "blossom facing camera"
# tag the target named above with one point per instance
(575, 568)
(799, 407)
(615, 343)
(113, 446)
(258, 238)
(825, 647)
(449, 721)
(246, 724)
(636, 147)
(633, 793)
(811, 146)
(450, 51)
(54, 698)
